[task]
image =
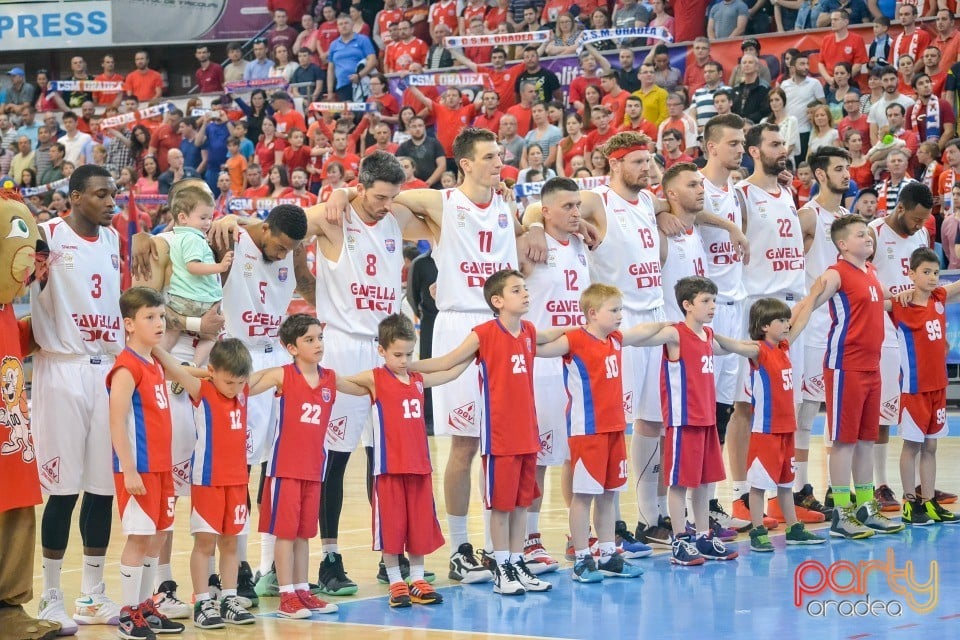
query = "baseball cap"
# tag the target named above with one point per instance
(281, 95)
(509, 172)
(750, 42)
(16, 71)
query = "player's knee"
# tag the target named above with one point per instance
(463, 450)
(204, 543)
(647, 428)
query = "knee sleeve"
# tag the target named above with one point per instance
(724, 411)
(55, 525)
(96, 518)
(331, 493)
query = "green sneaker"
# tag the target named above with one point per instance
(798, 534)
(870, 516)
(915, 512)
(266, 585)
(759, 540)
(939, 514)
(333, 579)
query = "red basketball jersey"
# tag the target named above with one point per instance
(687, 393)
(220, 453)
(594, 387)
(148, 423)
(297, 450)
(509, 425)
(399, 431)
(922, 334)
(771, 390)
(856, 320)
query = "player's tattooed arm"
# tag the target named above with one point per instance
(306, 281)
(211, 322)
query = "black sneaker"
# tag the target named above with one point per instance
(245, 585)
(232, 612)
(659, 534)
(213, 586)
(805, 498)
(487, 560)
(158, 622)
(133, 626)
(915, 512)
(828, 499)
(465, 568)
(206, 615)
(333, 579)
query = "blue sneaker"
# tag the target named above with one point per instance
(616, 567)
(585, 570)
(628, 545)
(712, 548)
(685, 552)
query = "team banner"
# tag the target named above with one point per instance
(249, 85)
(498, 39)
(344, 106)
(150, 200)
(596, 35)
(40, 190)
(446, 79)
(136, 116)
(260, 204)
(527, 189)
(84, 85)
(199, 112)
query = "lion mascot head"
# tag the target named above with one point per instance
(19, 239)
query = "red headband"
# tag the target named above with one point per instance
(619, 153)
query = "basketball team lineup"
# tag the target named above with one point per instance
(711, 318)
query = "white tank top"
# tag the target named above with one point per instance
(363, 286)
(685, 257)
(776, 244)
(723, 262)
(78, 310)
(821, 255)
(629, 256)
(556, 285)
(256, 294)
(892, 260)
(476, 241)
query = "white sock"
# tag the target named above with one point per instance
(92, 573)
(503, 557)
(202, 597)
(226, 593)
(880, 464)
(712, 491)
(457, 525)
(802, 477)
(662, 506)
(130, 579)
(533, 522)
(416, 572)
(211, 565)
(164, 574)
(242, 548)
(739, 488)
(330, 548)
(51, 573)
(487, 535)
(267, 543)
(146, 581)
(393, 574)
(516, 558)
(647, 466)
(301, 586)
(286, 588)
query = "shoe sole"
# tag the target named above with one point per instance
(509, 593)
(540, 568)
(297, 615)
(577, 578)
(627, 576)
(222, 625)
(889, 531)
(851, 536)
(95, 620)
(659, 542)
(806, 542)
(127, 636)
(240, 623)
(343, 591)
(732, 556)
(400, 605)
(921, 524)
(756, 550)
(426, 602)
(181, 614)
(889, 508)
(472, 577)
(544, 586)
(690, 563)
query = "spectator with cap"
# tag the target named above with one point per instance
(351, 58)
(752, 46)
(258, 68)
(727, 19)
(143, 82)
(19, 93)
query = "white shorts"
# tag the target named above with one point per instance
(350, 416)
(889, 384)
(728, 321)
(456, 405)
(551, 401)
(641, 372)
(796, 352)
(71, 424)
(263, 410)
(183, 420)
(813, 387)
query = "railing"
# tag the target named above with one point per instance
(245, 48)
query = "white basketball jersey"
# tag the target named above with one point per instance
(892, 260)
(723, 264)
(629, 256)
(556, 285)
(78, 310)
(363, 286)
(776, 244)
(256, 294)
(685, 257)
(475, 242)
(821, 255)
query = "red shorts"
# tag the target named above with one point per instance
(290, 508)
(153, 511)
(219, 510)
(509, 481)
(853, 405)
(599, 462)
(770, 461)
(692, 457)
(923, 415)
(404, 514)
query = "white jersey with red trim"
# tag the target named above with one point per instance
(555, 285)
(723, 264)
(362, 287)
(776, 243)
(821, 255)
(892, 260)
(256, 294)
(77, 312)
(475, 242)
(629, 256)
(685, 257)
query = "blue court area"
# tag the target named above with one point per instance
(886, 590)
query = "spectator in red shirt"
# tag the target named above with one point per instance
(502, 78)
(842, 46)
(297, 155)
(672, 153)
(451, 114)
(382, 133)
(614, 97)
(638, 123)
(209, 77)
(256, 187)
(298, 189)
(269, 149)
(167, 136)
(588, 76)
(444, 12)
(282, 32)
(854, 119)
(286, 118)
(349, 161)
(602, 117)
(143, 82)
(407, 50)
(521, 111)
(490, 114)
(412, 182)
(700, 55)
(106, 98)
(481, 54)
(294, 8)
(387, 105)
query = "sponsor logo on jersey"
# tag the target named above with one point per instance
(282, 274)
(181, 473)
(890, 408)
(502, 221)
(115, 261)
(467, 413)
(338, 427)
(51, 470)
(546, 443)
(814, 385)
(247, 269)
(390, 244)
(325, 394)
(628, 403)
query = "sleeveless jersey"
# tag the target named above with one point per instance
(149, 429)
(723, 262)
(399, 431)
(685, 257)
(78, 310)
(776, 243)
(591, 376)
(629, 256)
(509, 424)
(821, 255)
(220, 453)
(475, 242)
(256, 294)
(555, 286)
(771, 390)
(892, 260)
(856, 320)
(687, 392)
(363, 286)
(922, 334)
(297, 450)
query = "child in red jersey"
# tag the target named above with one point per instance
(919, 316)
(218, 475)
(774, 422)
(140, 430)
(404, 514)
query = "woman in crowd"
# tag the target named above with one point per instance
(256, 111)
(861, 171)
(535, 161)
(823, 134)
(283, 66)
(139, 146)
(48, 100)
(574, 144)
(565, 34)
(789, 128)
(406, 115)
(839, 88)
(269, 149)
(279, 181)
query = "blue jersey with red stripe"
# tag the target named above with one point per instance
(399, 430)
(297, 450)
(688, 396)
(922, 334)
(220, 452)
(591, 376)
(771, 390)
(149, 429)
(856, 320)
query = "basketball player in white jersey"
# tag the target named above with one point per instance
(776, 271)
(831, 169)
(682, 255)
(75, 316)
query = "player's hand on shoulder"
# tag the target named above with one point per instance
(211, 323)
(337, 207)
(534, 243)
(669, 225)
(142, 252)
(224, 232)
(905, 297)
(589, 233)
(741, 245)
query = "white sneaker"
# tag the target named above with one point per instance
(726, 520)
(507, 582)
(167, 602)
(96, 608)
(52, 609)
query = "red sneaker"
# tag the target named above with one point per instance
(315, 604)
(741, 510)
(292, 607)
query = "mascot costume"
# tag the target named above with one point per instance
(19, 482)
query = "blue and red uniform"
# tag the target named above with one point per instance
(774, 421)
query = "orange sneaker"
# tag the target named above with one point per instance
(399, 595)
(741, 510)
(774, 510)
(421, 592)
(804, 515)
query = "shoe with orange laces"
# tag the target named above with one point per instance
(315, 604)
(292, 607)
(421, 592)
(133, 626)
(399, 595)
(741, 510)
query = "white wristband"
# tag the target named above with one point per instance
(193, 324)
(538, 225)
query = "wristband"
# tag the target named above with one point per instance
(193, 324)
(538, 225)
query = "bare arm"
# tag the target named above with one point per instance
(351, 387)
(650, 334)
(466, 351)
(554, 348)
(443, 377)
(198, 268)
(122, 387)
(306, 281)
(265, 379)
(723, 345)
(821, 291)
(737, 236)
(176, 372)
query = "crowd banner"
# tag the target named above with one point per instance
(150, 200)
(446, 79)
(244, 86)
(365, 107)
(260, 205)
(42, 189)
(199, 112)
(596, 35)
(498, 39)
(84, 85)
(136, 116)
(527, 189)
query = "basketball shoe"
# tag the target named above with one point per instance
(206, 615)
(741, 511)
(158, 622)
(585, 570)
(131, 625)
(52, 609)
(616, 567)
(939, 514)
(537, 559)
(465, 568)
(760, 540)
(167, 602)
(399, 595)
(808, 516)
(291, 606)
(727, 521)
(421, 592)
(685, 553)
(529, 581)
(96, 608)
(846, 525)
(333, 579)
(798, 534)
(712, 548)
(506, 581)
(232, 612)
(942, 497)
(886, 499)
(315, 604)
(915, 512)
(627, 544)
(266, 585)
(870, 515)
(804, 499)
(246, 588)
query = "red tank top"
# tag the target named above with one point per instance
(593, 383)
(220, 453)
(687, 393)
(771, 389)
(399, 431)
(856, 320)
(149, 429)
(297, 450)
